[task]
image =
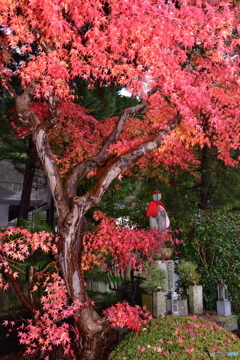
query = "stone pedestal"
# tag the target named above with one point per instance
(224, 308)
(229, 323)
(195, 300)
(158, 303)
(183, 307)
(147, 300)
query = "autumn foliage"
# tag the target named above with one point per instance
(50, 325)
(180, 59)
(127, 247)
(189, 51)
(17, 244)
(122, 314)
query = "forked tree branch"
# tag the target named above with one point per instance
(53, 114)
(103, 156)
(94, 196)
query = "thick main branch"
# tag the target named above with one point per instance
(94, 196)
(103, 156)
(40, 137)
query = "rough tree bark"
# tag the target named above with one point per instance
(71, 209)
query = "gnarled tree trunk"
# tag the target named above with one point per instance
(94, 330)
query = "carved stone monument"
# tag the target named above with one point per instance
(168, 267)
(156, 212)
(159, 219)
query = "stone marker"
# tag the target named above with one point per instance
(183, 307)
(159, 303)
(168, 266)
(195, 299)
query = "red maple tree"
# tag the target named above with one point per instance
(180, 58)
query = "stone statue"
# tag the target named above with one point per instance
(156, 212)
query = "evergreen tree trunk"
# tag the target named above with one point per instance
(51, 214)
(205, 197)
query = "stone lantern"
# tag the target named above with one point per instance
(222, 292)
(223, 304)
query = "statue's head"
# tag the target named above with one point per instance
(157, 195)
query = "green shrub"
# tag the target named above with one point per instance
(188, 272)
(177, 338)
(153, 277)
(212, 242)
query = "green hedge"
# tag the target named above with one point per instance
(177, 338)
(214, 245)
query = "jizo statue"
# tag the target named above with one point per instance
(156, 212)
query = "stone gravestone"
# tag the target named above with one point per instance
(156, 303)
(168, 267)
(170, 284)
